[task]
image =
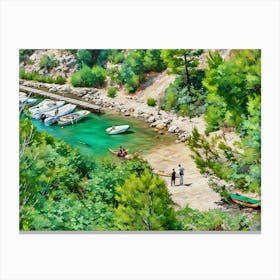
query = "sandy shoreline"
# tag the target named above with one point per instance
(195, 192)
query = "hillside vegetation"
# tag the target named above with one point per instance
(225, 90)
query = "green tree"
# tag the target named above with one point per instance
(230, 84)
(83, 77)
(182, 62)
(144, 204)
(98, 76)
(84, 57)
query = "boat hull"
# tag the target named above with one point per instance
(52, 117)
(245, 201)
(43, 107)
(72, 118)
(117, 129)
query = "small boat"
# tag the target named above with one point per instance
(73, 117)
(25, 100)
(164, 173)
(43, 107)
(117, 129)
(51, 117)
(244, 200)
(128, 156)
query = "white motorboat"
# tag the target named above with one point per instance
(51, 117)
(43, 107)
(117, 129)
(73, 117)
(25, 100)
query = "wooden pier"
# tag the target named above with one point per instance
(92, 107)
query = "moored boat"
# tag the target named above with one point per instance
(43, 107)
(117, 129)
(73, 117)
(51, 117)
(164, 173)
(244, 200)
(25, 100)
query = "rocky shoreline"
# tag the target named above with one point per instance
(129, 106)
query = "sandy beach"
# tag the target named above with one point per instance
(195, 192)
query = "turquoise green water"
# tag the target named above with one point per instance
(89, 136)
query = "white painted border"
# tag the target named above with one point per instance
(146, 24)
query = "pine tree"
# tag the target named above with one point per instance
(144, 204)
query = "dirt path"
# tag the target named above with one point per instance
(195, 192)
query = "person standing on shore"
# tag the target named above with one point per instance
(173, 177)
(181, 174)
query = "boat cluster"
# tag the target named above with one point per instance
(51, 111)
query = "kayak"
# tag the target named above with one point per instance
(244, 200)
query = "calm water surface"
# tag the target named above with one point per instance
(89, 135)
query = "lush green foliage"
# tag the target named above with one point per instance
(231, 84)
(87, 77)
(114, 75)
(187, 101)
(40, 78)
(84, 57)
(137, 64)
(151, 102)
(111, 92)
(231, 165)
(116, 56)
(99, 76)
(144, 204)
(212, 220)
(184, 63)
(48, 62)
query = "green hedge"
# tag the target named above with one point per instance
(35, 76)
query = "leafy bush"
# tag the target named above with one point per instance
(144, 204)
(116, 56)
(84, 57)
(187, 101)
(212, 220)
(230, 85)
(99, 76)
(111, 92)
(83, 77)
(48, 62)
(151, 102)
(40, 78)
(114, 74)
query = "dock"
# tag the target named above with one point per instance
(92, 107)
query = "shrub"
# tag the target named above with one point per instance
(111, 92)
(83, 78)
(48, 62)
(40, 78)
(151, 102)
(99, 76)
(116, 56)
(60, 80)
(84, 57)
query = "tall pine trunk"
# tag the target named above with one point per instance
(188, 82)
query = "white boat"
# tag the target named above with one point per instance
(43, 107)
(51, 117)
(25, 100)
(117, 129)
(73, 117)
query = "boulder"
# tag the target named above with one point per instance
(172, 128)
(160, 126)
